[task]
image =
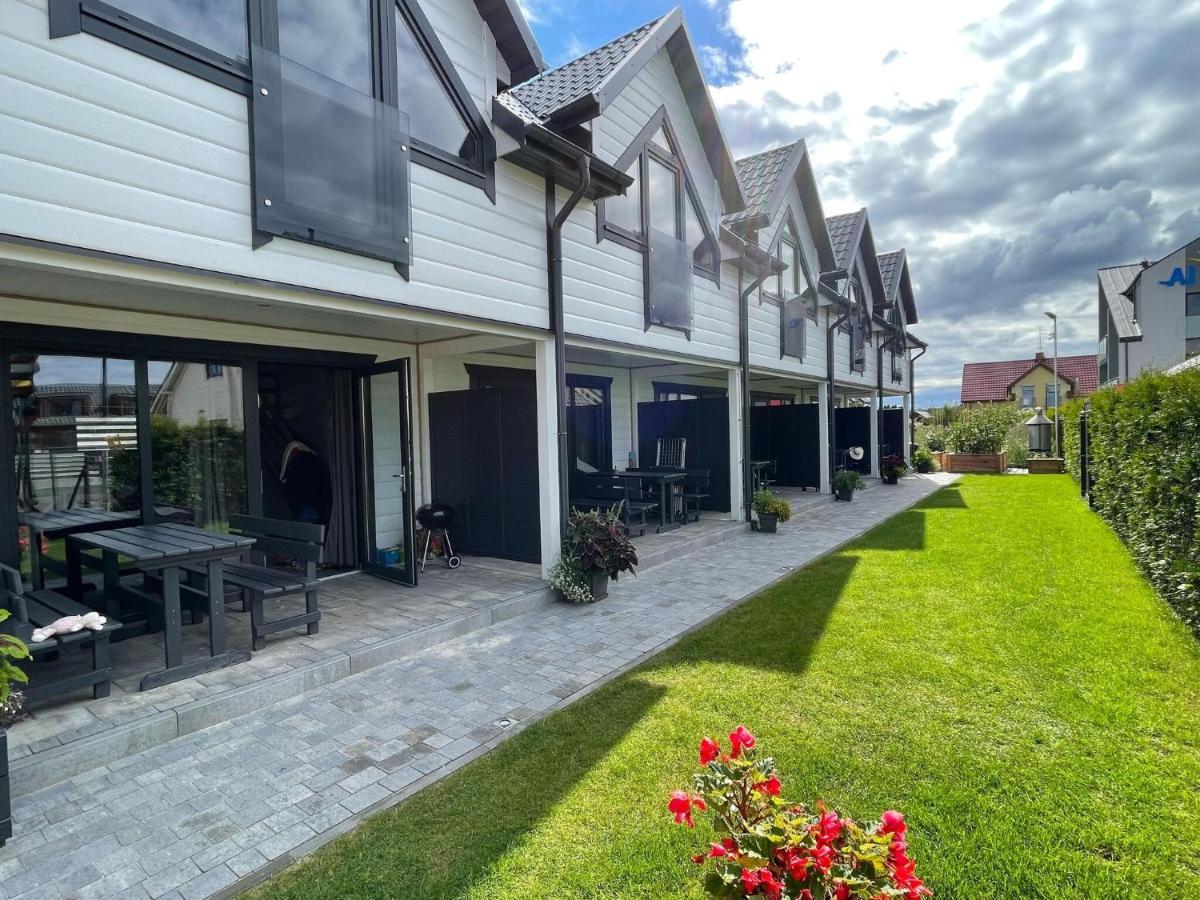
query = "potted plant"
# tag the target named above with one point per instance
(893, 468)
(845, 483)
(596, 549)
(11, 649)
(923, 461)
(771, 510)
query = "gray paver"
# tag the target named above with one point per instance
(219, 805)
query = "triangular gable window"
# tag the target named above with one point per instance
(426, 92)
(670, 202)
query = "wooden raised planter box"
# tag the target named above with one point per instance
(975, 462)
(1045, 466)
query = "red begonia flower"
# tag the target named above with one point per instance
(770, 786)
(681, 804)
(708, 751)
(822, 856)
(841, 890)
(892, 822)
(749, 881)
(741, 739)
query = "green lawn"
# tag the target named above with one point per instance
(989, 662)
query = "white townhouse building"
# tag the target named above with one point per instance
(400, 250)
(1149, 314)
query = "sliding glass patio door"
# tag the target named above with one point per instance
(387, 466)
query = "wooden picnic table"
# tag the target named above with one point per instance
(64, 522)
(665, 479)
(161, 550)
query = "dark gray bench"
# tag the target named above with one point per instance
(695, 491)
(257, 582)
(605, 492)
(38, 609)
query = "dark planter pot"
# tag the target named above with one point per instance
(846, 494)
(600, 586)
(5, 796)
(891, 479)
(767, 523)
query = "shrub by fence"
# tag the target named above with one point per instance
(1144, 461)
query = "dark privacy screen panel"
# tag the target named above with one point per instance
(330, 163)
(669, 301)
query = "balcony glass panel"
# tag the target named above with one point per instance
(670, 281)
(795, 314)
(330, 162)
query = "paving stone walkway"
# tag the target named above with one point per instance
(213, 812)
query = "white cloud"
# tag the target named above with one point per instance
(996, 140)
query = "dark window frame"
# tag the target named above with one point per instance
(694, 391)
(639, 151)
(105, 21)
(604, 385)
(1189, 299)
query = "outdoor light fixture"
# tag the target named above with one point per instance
(1039, 432)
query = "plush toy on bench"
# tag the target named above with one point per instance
(69, 625)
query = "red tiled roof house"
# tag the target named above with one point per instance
(1029, 382)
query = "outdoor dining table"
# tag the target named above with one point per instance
(65, 522)
(161, 550)
(758, 468)
(666, 479)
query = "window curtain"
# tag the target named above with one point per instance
(341, 540)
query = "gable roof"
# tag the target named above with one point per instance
(583, 88)
(514, 40)
(991, 381)
(765, 178)
(850, 233)
(897, 284)
(1115, 282)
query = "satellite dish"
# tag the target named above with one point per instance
(856, 453)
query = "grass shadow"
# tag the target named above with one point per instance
(949, 497)
(907, 533)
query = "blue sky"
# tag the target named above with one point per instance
(994, 140)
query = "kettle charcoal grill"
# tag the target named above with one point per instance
(437, 519)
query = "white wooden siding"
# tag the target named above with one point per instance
(103, 148)
(603, 281)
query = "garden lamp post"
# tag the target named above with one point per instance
(1053, 318)
(1039, 432)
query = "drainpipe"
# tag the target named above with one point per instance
(744, 362)
(912, 383)
(883, 345)
(554, 224)
(829, 331)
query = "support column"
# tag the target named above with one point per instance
(823, 437)
(425, 385)
(737, 452)
(547, 443)
(907, 428)
(875, 406)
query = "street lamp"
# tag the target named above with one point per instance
(1053, 318)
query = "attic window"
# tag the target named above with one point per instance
(663, 198)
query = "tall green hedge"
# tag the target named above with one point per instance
(1145, 472)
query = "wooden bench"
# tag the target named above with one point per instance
(38, 609)
(605, 492)
(256, 582)
(696, 483)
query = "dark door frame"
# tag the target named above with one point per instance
(364, 441)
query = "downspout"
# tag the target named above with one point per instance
(829, 330)
(744, 364)
(883, 345)
(554, 224)
(912, 383)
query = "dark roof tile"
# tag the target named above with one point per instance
(843, 232)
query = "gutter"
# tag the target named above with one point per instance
(912, 381)
(554, 224)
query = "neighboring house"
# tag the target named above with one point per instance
(1028, 382)
(1149, 314)
(436, 269)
